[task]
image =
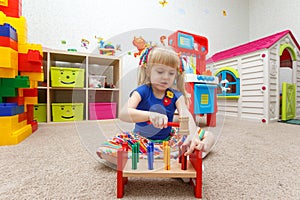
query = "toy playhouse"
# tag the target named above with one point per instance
(260, 80)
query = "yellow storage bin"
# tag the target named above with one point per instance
(40, 112)
(62, 112)
(67, 77)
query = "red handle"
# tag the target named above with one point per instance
(174, 124)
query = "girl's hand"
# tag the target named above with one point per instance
(194, 143)
(158, 120)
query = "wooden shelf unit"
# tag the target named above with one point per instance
(108, 66)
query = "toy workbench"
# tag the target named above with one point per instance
(193, 171)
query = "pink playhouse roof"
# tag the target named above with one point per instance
(262, 43)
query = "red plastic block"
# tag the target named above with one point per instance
(14, 8)
(22, 117)
(31, 62)
(8, 42)
(30, 114)
(32, 92)
(19, 100)
(34, 125)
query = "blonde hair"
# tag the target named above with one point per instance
(163, 56)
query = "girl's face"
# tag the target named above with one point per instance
(162, 77)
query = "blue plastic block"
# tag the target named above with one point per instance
(7, 30)
(10, 109)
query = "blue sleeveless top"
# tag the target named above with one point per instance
(165, 106)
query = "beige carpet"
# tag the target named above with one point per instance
(249, 161)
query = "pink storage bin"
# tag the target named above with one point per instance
(102, 110)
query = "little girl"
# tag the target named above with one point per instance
(152, 105)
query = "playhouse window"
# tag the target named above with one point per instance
(286, 59)
(229, 84)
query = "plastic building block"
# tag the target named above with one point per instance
(10, 109)
(19, 24)
(30, 112)
(32, 92)
(8, 42)
(13, 138)
(10, 124)
(8, 92)
(30, 62)
(8, 72)
(20, 92)
(19, 100)
(3, 2)
(7, 30)
(33, 84)
(13, 8)
(22, 116)
(9, 58)
(24, 48)
(30, 100)
(34, 126)
(34, 76)
(17, 82)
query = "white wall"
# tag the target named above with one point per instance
(50, 21)
(272, 16)
(118, 21)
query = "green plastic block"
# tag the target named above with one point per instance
(8, 92)
(17, 82)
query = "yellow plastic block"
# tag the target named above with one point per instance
(3, 2)
(18, 23)
(8, 73)
(9, 58)
(19, 135)
(2, 18)
(30, 100)
(23, 48)
(20, 92)
(8, 124)
(33, 84)
(34, 76)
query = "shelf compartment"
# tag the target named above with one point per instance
(104, 110)
(103, 95)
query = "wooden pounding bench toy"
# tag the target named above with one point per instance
(160, 168)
